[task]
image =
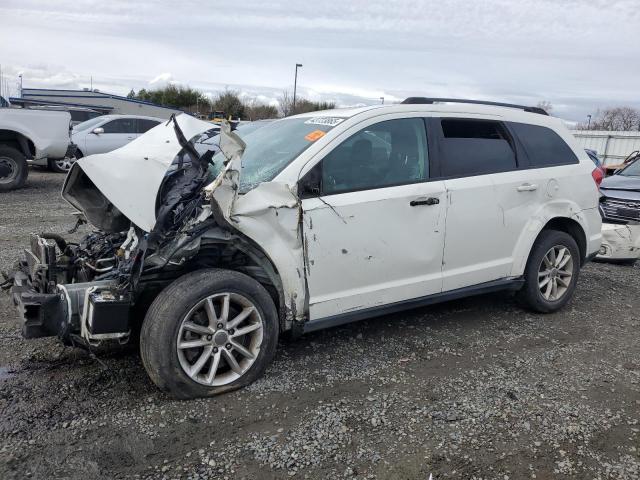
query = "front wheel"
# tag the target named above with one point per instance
(551, 273)
(209, 332)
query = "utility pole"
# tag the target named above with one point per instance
(20, 77)
(295, 87)
(589, 122)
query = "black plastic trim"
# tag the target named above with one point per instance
(343, 318)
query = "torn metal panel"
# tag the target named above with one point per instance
(620, 242)
(128, 179)
(269, 215)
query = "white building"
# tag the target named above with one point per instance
(92, 100)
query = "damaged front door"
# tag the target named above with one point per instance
(373, 223)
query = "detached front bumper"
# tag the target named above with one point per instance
(41, 314)
(93, 311)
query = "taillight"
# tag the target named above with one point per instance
(598, 176)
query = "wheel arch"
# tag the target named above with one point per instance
(19, 141)
(573, 228)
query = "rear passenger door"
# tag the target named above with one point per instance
(548, 168)
(470, 154)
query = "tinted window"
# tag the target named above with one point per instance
(146, 125)
(475, 147)
(544, 147)
(121, 125)
(387, 153)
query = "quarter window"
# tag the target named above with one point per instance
(544, 147)
(475, 147)
(388, 153)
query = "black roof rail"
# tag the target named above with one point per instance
(427, 100)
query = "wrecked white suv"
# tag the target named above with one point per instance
(320, 219)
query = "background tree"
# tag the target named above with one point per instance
(255, 110)
(302, 104)
(131, 94)
(546, 106)
(230, 103)
(174, 96)
(614, 119)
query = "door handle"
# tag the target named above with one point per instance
(424, 201)
(527, 187)
(129, 138)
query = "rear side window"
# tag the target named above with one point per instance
(544, 147)
(145, 125)
(475, 147)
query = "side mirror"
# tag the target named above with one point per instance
(98, 131)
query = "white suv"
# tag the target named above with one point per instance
(320, 219)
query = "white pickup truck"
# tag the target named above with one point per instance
(30, 136)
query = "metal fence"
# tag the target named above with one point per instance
(612, 147)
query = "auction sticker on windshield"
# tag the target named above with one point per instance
(315, 135)
(327, 121)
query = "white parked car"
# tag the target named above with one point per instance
(310, 222)
(108, 132)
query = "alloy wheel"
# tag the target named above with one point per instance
(555, 273)
(64, 163)
(219, 339)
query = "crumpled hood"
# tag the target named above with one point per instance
(128, 179)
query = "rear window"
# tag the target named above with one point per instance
(475, 147)
(544, 147)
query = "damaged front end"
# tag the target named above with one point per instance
(156, 221)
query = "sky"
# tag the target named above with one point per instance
(580, 55)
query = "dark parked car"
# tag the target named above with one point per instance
(620, 201)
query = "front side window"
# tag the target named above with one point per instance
(475, 147)
(121, 125)
(388, 153)
(544, 147)
(271, 148)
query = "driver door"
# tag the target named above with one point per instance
(373, 222)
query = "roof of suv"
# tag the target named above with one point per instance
(504, 113)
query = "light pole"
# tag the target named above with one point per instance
(20, 77)
(295, 87)
(382, 100)
(589, 122)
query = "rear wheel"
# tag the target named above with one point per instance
(551, 273)
(13, 168)
(209, 332)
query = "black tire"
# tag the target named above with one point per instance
(13, 168)
(162, 326)
(60, 165)
(530, 295)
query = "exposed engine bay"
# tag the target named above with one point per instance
(158, 220)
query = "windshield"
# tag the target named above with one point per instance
(88, 124)
(247, 128)
(632, 170)
(271, 148)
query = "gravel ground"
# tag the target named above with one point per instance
(468, 389)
